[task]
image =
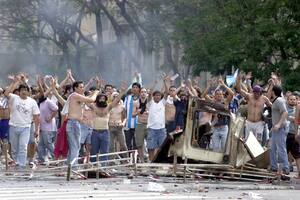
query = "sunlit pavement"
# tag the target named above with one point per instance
(143, 188)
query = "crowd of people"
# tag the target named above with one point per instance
(49, 121)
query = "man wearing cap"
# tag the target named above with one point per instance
(256, 102)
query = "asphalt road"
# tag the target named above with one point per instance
(142, 188)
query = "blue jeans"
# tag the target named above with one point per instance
(4, 129)
(219, 137)
(100, 144)
(278, 148)
(86, 134)
(73, 133)
(18, 138)
(46, 145)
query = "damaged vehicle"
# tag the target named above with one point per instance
(192, 146)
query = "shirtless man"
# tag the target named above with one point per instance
(4, 120)
(141, 126)
(86, 133)
(116, 123)
(75, 114)
(170, 109)
(4, 117)
(256, 102)
(100, 135)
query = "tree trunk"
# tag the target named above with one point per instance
(99, 49)
(118, 32)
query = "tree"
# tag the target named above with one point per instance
(258, 36)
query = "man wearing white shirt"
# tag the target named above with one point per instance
(156, 123)
(23, 110)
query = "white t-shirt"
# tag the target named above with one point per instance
(156, 118)
(22, 111)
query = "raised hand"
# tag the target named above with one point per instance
(209, 83)
(189, 83)
(11, 77)
(248, 75)
(123, 87)
(221, 81)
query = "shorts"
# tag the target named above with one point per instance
(140, 134)
(86, 134)
(4, 129)
(292, 146)
(256, 127)
(170, 126)
(155, 138)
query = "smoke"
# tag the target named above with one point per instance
(50, 46)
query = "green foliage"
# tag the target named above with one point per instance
(253, 35)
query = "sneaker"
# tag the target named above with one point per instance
(285, 178)
(32, 165)
(285, 172)
(39, 162)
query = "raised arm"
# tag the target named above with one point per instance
(267, 101)
(118, 98)
(242, 92)
(89, 83)
(205, 92)
(60, 99)
(228, 90)
(14, 85)
(68, 79)
(85, 99)
(191, 89)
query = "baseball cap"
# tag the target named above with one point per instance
(257, 89)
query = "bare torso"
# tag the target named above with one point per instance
(255, 108)
(170, 112)
(116, 115)
(101, 117)
(87, 117)
(75, 108)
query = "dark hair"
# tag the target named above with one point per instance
(199, 93)
(108, 85)
(157, 92)
(23, 86)
(101, 95)
(86, 93)
(218, 90)
(67, 88)
(277, 90)
(16, 90)
(172, 86)
(76, 84)
(97, 101)
(136, 84)
(93, 88)
(34, 89)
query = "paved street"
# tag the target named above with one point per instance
(142, 188)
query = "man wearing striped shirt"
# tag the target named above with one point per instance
(4, 117)
(130, 103)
